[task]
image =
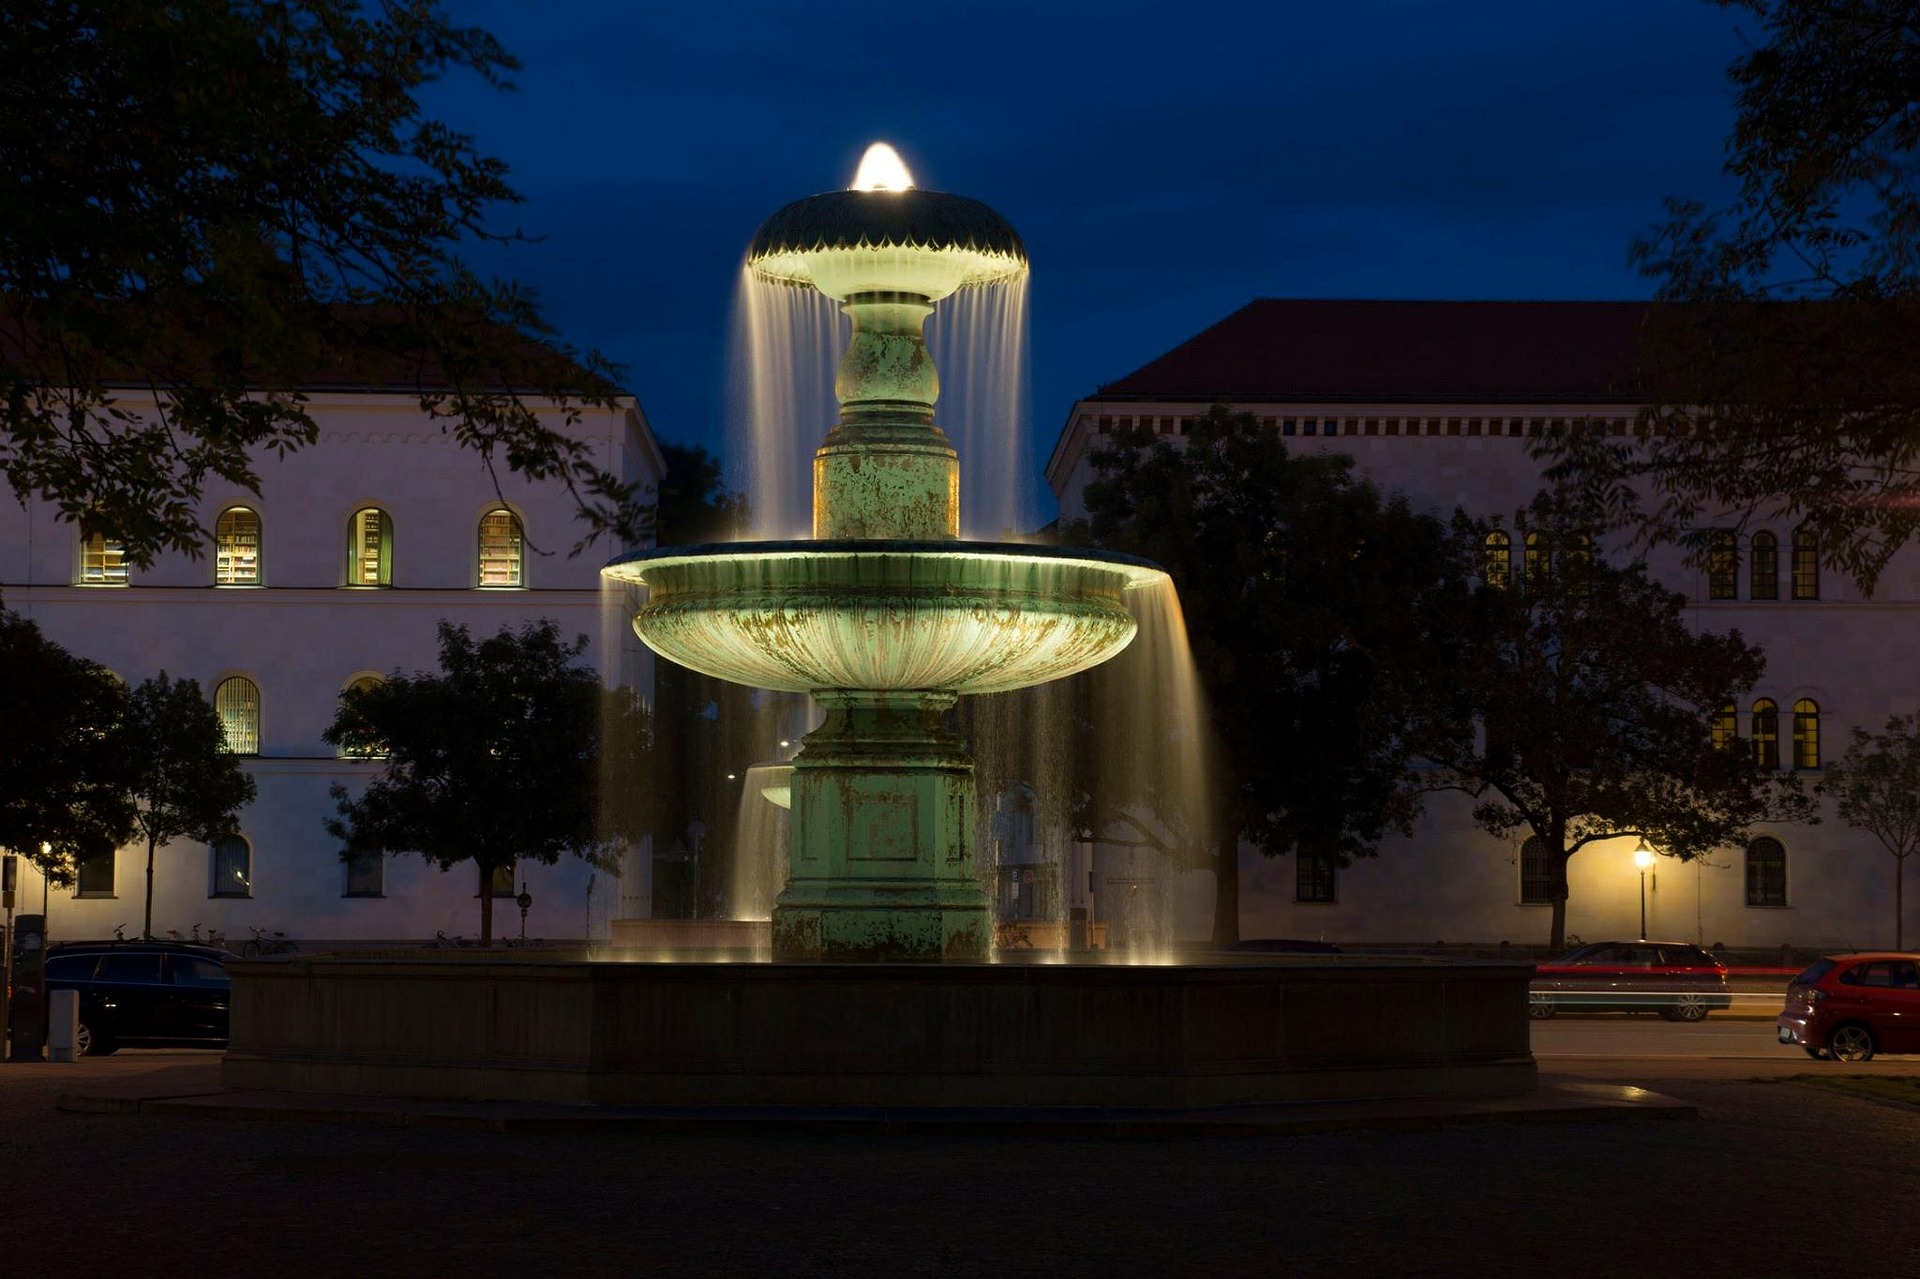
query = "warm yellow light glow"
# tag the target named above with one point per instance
(881, 169)
(1643, 856)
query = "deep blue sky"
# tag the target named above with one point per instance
(1164, 162)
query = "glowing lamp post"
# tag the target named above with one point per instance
(1643, 858)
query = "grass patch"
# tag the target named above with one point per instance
(1900, 1089)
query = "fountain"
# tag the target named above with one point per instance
(884, 615)
(881, 991)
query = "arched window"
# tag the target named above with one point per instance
(1723, 565)
(1806, 734)
(237, 701)
(1766, 872)
(232, 869)
(1576, 560)
(501, 548)
(1536, 873)
(1806, 565)
(356, 750)
(1763, 568)
(1499, 568)
(103, 561)
(370, 548)
(1537, 557)
(1765, 732)
(1725, 726)
(236, 548)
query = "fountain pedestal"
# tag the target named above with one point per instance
(883, 806)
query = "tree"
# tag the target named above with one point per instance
(1596, 702)
(1876, 788)
(212, 203)
(63, 766)
(1312, 601)
(184, 782)
(491, 761)
(1778, 365)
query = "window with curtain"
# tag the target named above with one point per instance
(1763, 567)
(1499, 567)
(103, 562)
(237, 701)
(1723, 565)
(1806, 734)
(236, 548)
(1806, 565)
(370, 548)
(1765, 722)
(1766, 872)
(1536, 873)
(501, 549)
(232, 869)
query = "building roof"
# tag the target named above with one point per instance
(1278, 350)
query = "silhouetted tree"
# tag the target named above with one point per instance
(1319, 612)
(64, 768)
(491, 761)
(1595, 702)
(184, 782)
(213, 203)
(1876, 788)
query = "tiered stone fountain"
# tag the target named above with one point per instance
(886, 617)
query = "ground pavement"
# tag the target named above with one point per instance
(1763, 1183)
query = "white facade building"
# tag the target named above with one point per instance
(1441, 400)
(340, 569)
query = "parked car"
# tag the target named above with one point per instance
(1678, 980)
(152, 994)
(1849, 1007)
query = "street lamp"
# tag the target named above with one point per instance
(1643, 858)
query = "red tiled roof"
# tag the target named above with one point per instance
(1285, 349)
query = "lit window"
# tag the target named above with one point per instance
(364, 684)
(1723, 566)
(500, 548)
(237, 701)
(236, 548)
(1766, 735)
(103, 562)
(232, 869)
(502, 881)
(1764, 568)
(1806, 565)
(95, 876)
(1536, 561)
(370, 548)
(1766, 872)
(1725, 726)
(1313, 876)
(1806, 734)
(366, 875)
(1536, 873)
(1499, 567)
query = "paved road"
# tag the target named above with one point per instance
(1621, 1047)
(1728, 1194)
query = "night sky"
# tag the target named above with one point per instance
(1165, 163)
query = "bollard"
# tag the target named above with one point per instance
(63, 1025)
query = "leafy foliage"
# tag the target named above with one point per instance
(1595, 699)
(1876, 788)
(63, 760)
(1312, 602)
(183, 782)
(1779, 372)
(490, 761)
(212, 204)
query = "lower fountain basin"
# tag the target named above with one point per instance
(806, 616)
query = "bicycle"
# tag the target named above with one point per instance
(266, 942)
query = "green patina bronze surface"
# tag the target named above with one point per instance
(886, 618)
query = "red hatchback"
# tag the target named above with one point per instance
(1849, 1007)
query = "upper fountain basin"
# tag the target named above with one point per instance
(926, 243)
(810, 616)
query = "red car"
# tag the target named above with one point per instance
(1678, 980)
(1849, 1007)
